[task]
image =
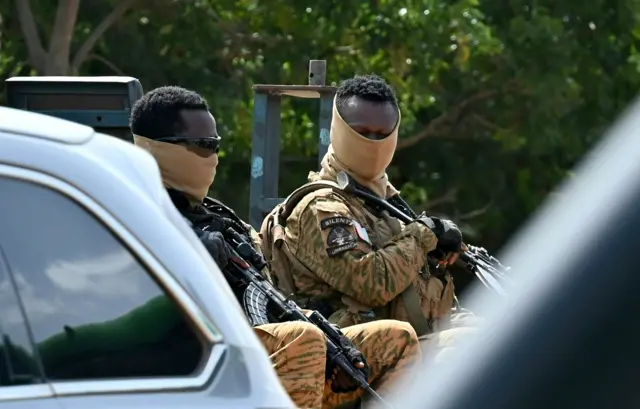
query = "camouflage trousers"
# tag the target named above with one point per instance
(298, 353)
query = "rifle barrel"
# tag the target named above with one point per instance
(474, 258)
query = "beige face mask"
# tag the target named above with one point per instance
(365, 157)
(181, 169)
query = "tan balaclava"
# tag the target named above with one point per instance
(366, 160)
(181, 169)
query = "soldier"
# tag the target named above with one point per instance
(347, 258)
(176, 127)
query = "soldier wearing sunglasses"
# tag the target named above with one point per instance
(176, 127)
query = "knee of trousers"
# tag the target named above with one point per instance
(397, 333)
(398, 330)
(304, 332)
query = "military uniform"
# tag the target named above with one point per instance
(352, 262)
(356, 264)
(298, 349)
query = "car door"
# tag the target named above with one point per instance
(106, 329)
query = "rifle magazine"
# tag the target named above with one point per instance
(255, 304)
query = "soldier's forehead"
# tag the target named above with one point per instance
(360, 112)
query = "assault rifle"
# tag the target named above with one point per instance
(261, 296)
(476, 260)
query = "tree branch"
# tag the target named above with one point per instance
(61, 37)
(37, 53)
(490, 125)
(106, 62)
(449, 197)
(475, 213)
(485, 122)
(98, 32)
(443, 124)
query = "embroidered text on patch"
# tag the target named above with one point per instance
(333, 221)
(334, 251)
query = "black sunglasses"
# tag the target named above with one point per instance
(211, 144)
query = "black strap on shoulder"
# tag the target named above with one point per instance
(219, 208)
(402, 204)
(290, 203)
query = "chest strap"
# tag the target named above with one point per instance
(410, 297)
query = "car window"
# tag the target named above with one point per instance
(94, 311)
(18, 365)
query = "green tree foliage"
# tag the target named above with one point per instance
(499, 98)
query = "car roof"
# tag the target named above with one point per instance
(567, 336)
(30, 124)
(71, 79)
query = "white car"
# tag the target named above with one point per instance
(108, 299)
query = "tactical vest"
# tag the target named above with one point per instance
(437, 293)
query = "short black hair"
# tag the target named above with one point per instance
(157, 113)
(368, 87)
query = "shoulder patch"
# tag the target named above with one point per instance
(333, 221)
(339, 236)
(339, 240)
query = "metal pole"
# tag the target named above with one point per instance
(318, 77)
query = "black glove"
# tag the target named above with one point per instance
(217, 247)
(341, 382)
(216, 222)
(448, 234)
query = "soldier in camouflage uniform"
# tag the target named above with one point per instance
(349, 260)
(175, 126)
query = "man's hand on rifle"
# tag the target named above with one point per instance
(216, 246)
(450, 258)
(341, 382)
(450, 243)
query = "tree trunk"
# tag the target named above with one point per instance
(57, 60)
(37, 53)
(58, 57)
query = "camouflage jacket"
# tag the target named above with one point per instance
(352, 264)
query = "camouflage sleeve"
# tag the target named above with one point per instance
(338, 250)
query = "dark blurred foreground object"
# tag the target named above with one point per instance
(567, 335)
(103, 103)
